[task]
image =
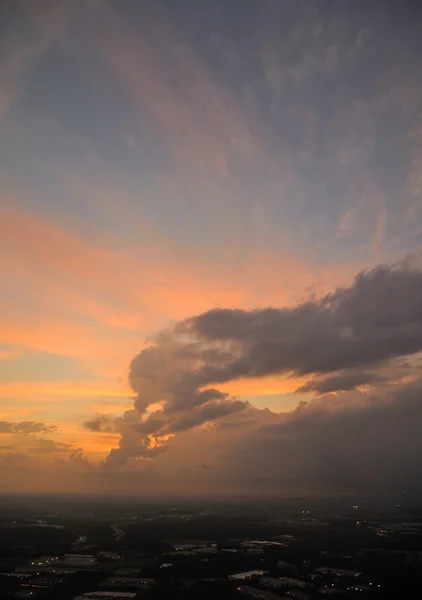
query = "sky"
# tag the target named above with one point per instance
(210, 246)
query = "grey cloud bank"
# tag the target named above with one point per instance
(361, 433)
(26, 427)
(377, 318)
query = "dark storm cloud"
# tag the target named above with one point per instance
(144, 434)
(372, 446)
(341, 382)
(101, 423)
(208, 412)
(377, 318)
(26, 427)
(346, 339)
(167, 374)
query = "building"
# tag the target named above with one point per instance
(127, 582)
(272, 583)
(60, 570)
(292, 582)
(246, 575)
(44, 561)
(282, 564)
(127, 572)
(337, 572)
(184, 546)
(50, 525)
(192, 545)
(26, 593)
(247, 590)
(17, 576)
(360, 588)
(43, 582)
(260, 543)
(298, 595)
(106, 595)
(57, 570)
(79, 560)
(109, 555)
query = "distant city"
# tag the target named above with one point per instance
(91, 548)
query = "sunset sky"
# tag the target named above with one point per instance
(160, 159)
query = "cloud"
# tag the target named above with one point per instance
(75, 456)
(369, 444)
(102, 423)
(37, 29)
(329, 338)
(353, 442)
(52, 447)
(351, 327)
(201, 120)
(15, 460)
(20, 471)
(341, 382)
(26, 427)
(144, 434)
(164, 375)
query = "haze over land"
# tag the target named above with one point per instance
(211, 225)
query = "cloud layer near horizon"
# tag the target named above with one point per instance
(359, 347)
(26, 427)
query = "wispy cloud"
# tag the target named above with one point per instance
(200, 119)
(38, 29)
(26, 427)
